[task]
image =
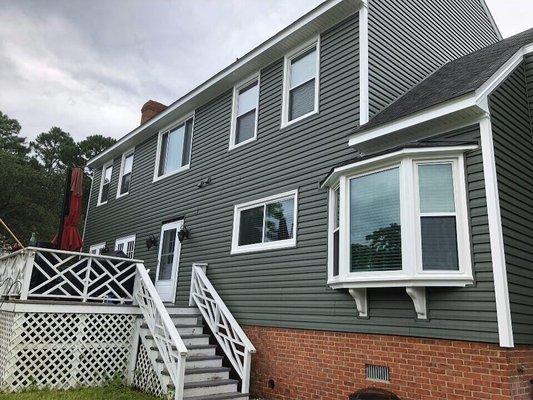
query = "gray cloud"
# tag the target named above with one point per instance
(88, 66)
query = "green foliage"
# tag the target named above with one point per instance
(33, 182)
(114, 392)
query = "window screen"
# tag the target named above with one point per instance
(375, 236)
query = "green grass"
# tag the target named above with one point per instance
(100, 393)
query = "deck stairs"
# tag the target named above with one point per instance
(206, 378)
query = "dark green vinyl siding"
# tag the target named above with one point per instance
(513, 145)
(287, 287)
(410, 39)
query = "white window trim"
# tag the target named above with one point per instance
(122, 162)
(279, 244)
(412, 273)
(98, 247)
(315, 42)
(125, 240)
(234, 107)
(158, 152)
(102, 176)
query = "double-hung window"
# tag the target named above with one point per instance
(174, 149)
(264, 224)
(105, 183)
(126, 168)
(97, 249)
(245, 112)
(301, 83)
(400, 220)
(126, 245)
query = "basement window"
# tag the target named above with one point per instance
(400, 220)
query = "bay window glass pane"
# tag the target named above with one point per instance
(302, 100)
(280, 220)
(303, 68)
(336, 253)
(439, 243)
(436, 188)
(251, 226)
(375, 236)
(247, 98)
(245, 127)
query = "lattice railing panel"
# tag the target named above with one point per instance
(145, 378)
(12, 268)
(230, 336)
(64, 350)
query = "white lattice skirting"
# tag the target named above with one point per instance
(145, 378)
(62, 350)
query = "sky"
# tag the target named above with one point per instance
(89, 66)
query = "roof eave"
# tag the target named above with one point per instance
(314, 22)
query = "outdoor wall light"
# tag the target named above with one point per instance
(204, 182)
(183, 233)
(151, 241)
(104, 250)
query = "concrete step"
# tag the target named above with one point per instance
(206, 388)
(224, 396)
(197, 350)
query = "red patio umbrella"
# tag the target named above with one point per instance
(70, 237)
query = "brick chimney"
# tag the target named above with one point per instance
(150, 109)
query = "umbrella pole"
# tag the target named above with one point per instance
(11, 233)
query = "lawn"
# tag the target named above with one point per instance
(101, 393)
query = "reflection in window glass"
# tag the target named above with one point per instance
(279, 220)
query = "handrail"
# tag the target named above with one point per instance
(168, 341)
(236, 345)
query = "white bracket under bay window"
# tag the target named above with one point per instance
(126, 245)
(124, 178)
(301, 83)
(174, 148)
(265, 224)
(105, 183)
(245, 112)
(400, 220)
(97, 249)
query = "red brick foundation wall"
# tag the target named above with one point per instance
(317, 365)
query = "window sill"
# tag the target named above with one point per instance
(263, 247)
(236, 146)
(122, 195)
(442, 279)
(181, 169)
(286, 124)
(101, 204)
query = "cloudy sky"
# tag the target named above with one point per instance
(88, 66)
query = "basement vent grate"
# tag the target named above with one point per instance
(377, 373)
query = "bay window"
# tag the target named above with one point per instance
(402, 221)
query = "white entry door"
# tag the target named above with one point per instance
(168, 263)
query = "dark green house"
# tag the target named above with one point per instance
(360, 187)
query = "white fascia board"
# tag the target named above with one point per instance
(476, 99)
(235, 72)
(418, 151)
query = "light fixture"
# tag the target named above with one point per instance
(183, 233)
(151, 241)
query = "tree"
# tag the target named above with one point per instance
(10, 141)
(93, 145)
(56, 150)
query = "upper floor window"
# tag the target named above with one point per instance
(125, 174)
(400, 219)
(97, 249)
(174, 149)
(301, 83)
(264, 224)
(245, 111)
(105, 183)
(126, 245)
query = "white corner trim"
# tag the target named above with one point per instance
(418, 295)
(364, 100)
(361, 302)
(501, 290)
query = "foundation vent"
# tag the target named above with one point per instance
(377, 373)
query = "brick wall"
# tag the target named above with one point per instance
(318, 365)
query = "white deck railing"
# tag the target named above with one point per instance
(64, 275)
(229, 334)
(169, 343)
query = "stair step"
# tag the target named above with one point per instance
(195, 339)
(184, 328)
(197, 350)
(206, 374)
(205, 388)
(207, 370)
(194, 362)
(223, 396)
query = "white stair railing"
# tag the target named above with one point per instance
(230, 336)
(169, 343)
